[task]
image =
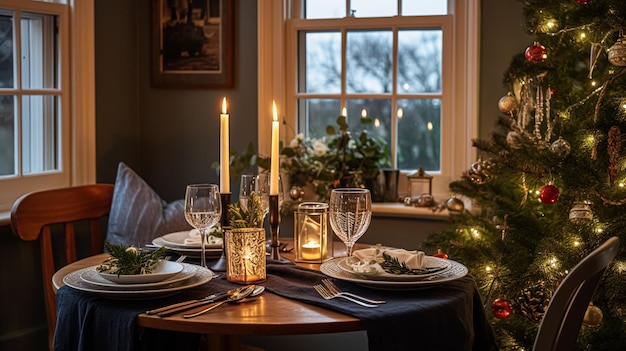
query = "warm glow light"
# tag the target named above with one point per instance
(376, 122)
(553, 262)
(599, 230)
(551, 24)
(621, 185)
(576, 243)
(406, 86)
(364, 113)
(475, 232)
(400, 113)
(488, 269)
(583, 35)
(224, 111)
(593, 83)
(344, 112)
(429, 125)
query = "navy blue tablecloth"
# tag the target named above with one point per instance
(443, 317)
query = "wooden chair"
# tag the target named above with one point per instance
(33, 214)
(561, 323)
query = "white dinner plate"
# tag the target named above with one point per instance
(73, 280)
(331, 268)
(164, 270)
(191, 252)
(177, 239)
(91, 276)
(437, 266)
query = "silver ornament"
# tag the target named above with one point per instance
(296, 193)
(507, 103)
(580, 213)
(514, 140)
(455, 205)
(617, 52)
(560, 147)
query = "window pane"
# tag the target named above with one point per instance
(39, 134)
(419, 134)
(316, 115)
(424, 7)
(7, 135)
(378, 110)
(369, 62)
(322, 62)
(419, 61)
(374, 8)
(325, 9)
(6, 49)
(39, 50)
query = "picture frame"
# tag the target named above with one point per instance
(192, 44)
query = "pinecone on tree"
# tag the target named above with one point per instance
(534, 301)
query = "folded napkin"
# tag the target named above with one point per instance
(371, 258)
(195, 239)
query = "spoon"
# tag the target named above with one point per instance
(234, 297)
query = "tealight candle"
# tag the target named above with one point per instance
(311, 251)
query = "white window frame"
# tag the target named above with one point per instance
(77, 88)
(276, 81)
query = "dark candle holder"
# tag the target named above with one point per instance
(220, 265)
(274, 222)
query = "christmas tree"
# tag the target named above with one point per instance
(549, 185)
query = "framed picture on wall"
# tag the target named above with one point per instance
(192, 43)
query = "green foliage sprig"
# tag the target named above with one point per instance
(126, 260)
(392, 265)
(250, 216)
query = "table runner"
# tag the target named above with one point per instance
(444, 317)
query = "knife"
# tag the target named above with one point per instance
(185, 305)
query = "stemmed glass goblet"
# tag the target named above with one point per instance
(203, 209)
(246, 187)
(350, 214)
(262, 188)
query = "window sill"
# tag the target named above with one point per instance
(389, 209)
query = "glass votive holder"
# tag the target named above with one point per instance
(312, 242)
(245, 255)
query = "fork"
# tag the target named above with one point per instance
(335, 290)
(328, 295)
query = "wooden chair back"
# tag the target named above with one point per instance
(33, 214)
(561, 323)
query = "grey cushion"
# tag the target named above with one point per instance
(138, 214)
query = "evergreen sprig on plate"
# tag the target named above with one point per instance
(127, 260)
(392, 265)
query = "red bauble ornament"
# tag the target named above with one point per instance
(549, 194)
(582, 2)
(501, 308)
(536, 53)
(440, 254)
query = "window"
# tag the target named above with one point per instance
(38, 135)
(411, 66)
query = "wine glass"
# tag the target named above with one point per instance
(350, 214)
(203, 209)
(262, 188)
(245, 188)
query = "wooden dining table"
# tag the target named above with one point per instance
(267, 314)
(446, 314)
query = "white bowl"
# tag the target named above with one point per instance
(164, 270)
